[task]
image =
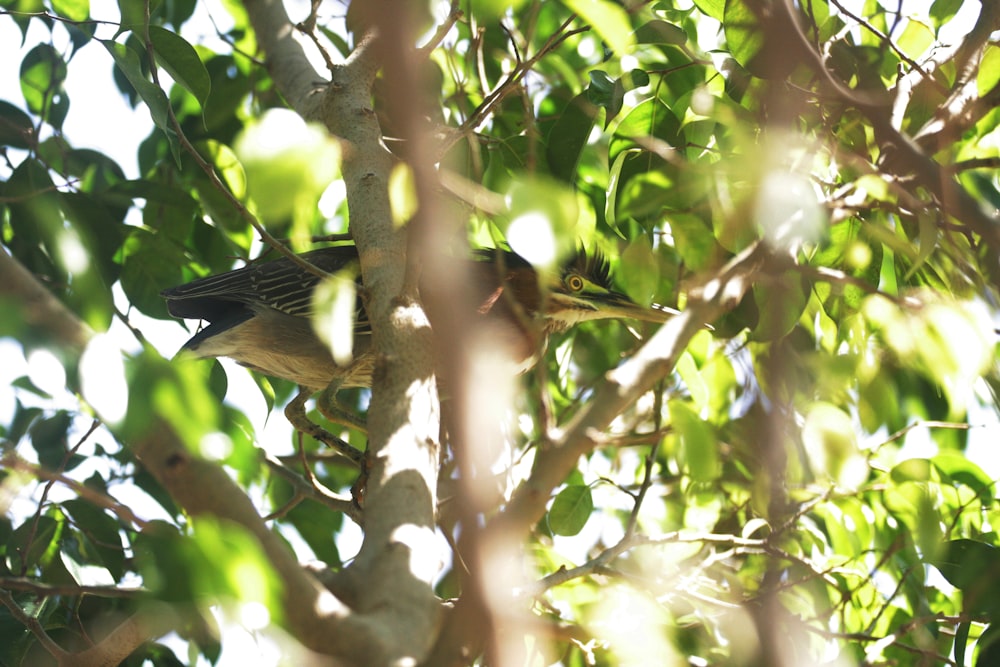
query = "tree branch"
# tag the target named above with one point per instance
(900, 156)
(290, 68)
(623, 386)
(398, 609)
(125, 638)
(964, 107)
(33, 625)
(202, 488)
(40, 308)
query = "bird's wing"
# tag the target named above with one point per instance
(280, 284)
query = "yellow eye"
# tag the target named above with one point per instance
(573, 282)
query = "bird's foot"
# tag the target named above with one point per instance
(295, 412)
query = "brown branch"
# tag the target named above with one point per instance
(40, 308)
(473, 615)
(312, 489)
(69, 590)
(923, 423)
(964, 107)
(454, 14)
(623, 386)
(293, 74)
(399, 610)
(974, 163)
(127, 636)
(33, 625)
(887, 40)
(200, 487)
(509, 84)
(901, 156)
(13, 462)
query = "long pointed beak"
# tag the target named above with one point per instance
(611, 305)
(620, 306)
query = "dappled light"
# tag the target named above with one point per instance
(590, 333)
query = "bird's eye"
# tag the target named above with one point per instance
(573, 282)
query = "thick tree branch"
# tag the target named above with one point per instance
(200, 487)
(127, 636)
(41, 309)
(397, 606)
(398, 558)
(555, 460)
(293, 74)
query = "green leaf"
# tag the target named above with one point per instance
(961, 640)
(610, 93)
(988, 74)
(569, 135)
(687, 370)
(988, 647)
(34, 543)
(744, 35)
(693, 240)
(74, 10)
(152, 263)
(699, 448)
(288, 164)
(543, 220)
(916, 38)
(959, 468)
(571, 509)
(133, 13)
(830, 440)
(650, 119)
(127, 62)
(713, 8)
(608, 20)
(780, 304)
(942, 11)
(607, 93)
(973, 567)
(43, 73)
(181, 61)
(103, 531)
(16, 128)
(660, 32)
(49, 438)
(639, 272)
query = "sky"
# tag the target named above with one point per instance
(99, 118)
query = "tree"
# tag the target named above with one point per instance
(779, 475)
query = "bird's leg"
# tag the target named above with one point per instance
(295, 412)
(336, 413)
(330, 408)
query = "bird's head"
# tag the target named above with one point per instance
(582, 291)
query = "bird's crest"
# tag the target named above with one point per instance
(593, 266)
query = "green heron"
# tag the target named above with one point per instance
(259, 315)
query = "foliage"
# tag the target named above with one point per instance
(795, 489)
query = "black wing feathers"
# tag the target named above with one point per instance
(279, 284)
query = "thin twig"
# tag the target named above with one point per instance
(68, 590)
(219, 185)
(454, 14)
(13, 462)
(304, 488)
(33, 625)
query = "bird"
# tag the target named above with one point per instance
(259, 315)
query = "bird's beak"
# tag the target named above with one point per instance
(620, 306)
(612, 305)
